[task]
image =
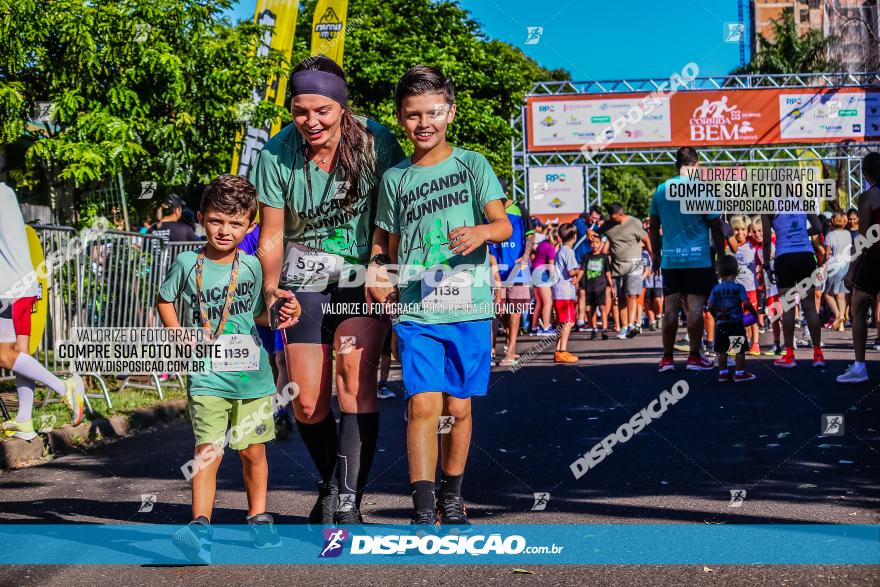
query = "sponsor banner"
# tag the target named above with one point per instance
(556, 192)
(328, 29)
(533, 544)
(705, 118)
(832, 115)
(577, 122)
(281, 15)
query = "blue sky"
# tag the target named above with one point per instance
(608, 39)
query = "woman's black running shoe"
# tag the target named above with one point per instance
(322, 511)
(348, 511)
(424, 518)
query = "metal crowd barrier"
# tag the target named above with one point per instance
(164, 254)
(108, 280)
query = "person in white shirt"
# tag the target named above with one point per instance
(837, 242)
(18, 291)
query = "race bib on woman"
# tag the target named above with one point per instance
(304, 265)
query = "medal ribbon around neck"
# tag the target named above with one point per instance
(230, 294)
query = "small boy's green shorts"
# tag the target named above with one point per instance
(236, 422)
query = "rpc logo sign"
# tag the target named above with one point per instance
(550, 177)
(547, 108)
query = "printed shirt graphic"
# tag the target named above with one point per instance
(174, 232)
(685, 236)
(422, 205)
(247, 301)
(564, 289)
(791, 234)
(728, 296)
(321, 222)
(595, 267)
(747, 258)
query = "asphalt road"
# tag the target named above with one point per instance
(762, 436)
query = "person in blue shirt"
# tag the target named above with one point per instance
(685, 256)
(582, 224)
(512, 258)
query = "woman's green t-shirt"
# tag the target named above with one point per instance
(317, 217)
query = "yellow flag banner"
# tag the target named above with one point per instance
(810, 158)
(280, 14)
(328, 29)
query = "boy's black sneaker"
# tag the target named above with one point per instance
(283, 426)
(194, 541)
(452, 510)
(322, 511)
(594, 335)
(263, 533)
(604, 335)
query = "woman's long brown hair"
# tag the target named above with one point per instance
(357, 161)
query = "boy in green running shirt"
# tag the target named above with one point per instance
(220, 288)
(432, 205)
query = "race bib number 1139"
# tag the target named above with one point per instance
(236, 352)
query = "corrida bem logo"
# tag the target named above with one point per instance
(329, 25)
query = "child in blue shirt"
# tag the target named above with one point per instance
(726, 304)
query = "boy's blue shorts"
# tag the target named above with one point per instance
(451, 358)
(268, 338)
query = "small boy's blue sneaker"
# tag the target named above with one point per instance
(194, 541)
(263, 532)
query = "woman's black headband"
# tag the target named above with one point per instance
(311, 81)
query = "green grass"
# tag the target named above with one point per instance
(124, 402)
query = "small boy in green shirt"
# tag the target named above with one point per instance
(432, 205)
(220, 288)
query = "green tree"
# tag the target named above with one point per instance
(630, 187)
(150, 88)
(789, 52)
(386, 37)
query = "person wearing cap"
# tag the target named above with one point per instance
(169, 227)
(318, 181)
(538, 229)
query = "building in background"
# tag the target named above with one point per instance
(854, 24)
(808, 14)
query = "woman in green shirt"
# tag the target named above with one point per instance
(318, 183)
